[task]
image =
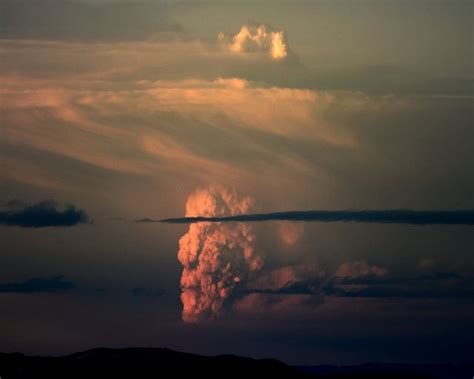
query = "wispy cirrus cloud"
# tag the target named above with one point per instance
(188, 108)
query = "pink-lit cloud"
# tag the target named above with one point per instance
(216, 257)
(290, 232)
(169, 109)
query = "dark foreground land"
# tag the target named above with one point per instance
(146, 363)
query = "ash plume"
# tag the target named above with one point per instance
(216, 257)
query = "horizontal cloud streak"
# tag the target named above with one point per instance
(36, 285)
(391, 216)
(43, 214)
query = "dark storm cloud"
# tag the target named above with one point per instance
(60, 20)
(35, 285)
(451, 217)
(43, 214)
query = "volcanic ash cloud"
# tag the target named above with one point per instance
(216, 257)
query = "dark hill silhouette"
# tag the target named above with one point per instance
(138, 363)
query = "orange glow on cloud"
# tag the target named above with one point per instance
(257, 38)
(216, 257)
(290, 232)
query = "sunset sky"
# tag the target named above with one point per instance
(113, 112)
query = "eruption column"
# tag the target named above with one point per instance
(216, 257)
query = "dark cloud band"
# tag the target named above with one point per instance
(37, 285)
(448, 217)
(437, 285)
(43, 214)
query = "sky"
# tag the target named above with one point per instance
(116, 112)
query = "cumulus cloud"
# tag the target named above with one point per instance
(35, 285)
(257, 38)
(43, 214)
(216, 257)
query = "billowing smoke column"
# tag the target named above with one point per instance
(216, 257)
